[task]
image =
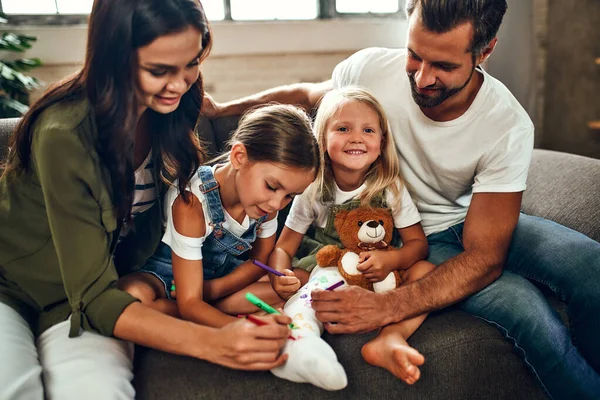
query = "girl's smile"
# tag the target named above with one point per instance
(354, 140)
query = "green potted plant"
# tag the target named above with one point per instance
(15, 86)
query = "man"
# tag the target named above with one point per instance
(465, 146)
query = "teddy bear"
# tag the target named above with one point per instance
(360, 229)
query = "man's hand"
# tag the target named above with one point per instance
(352, 310)
(210, 108)
(285, 286)
(374, 265)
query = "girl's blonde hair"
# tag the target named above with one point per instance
(384, 173)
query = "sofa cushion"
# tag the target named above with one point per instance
(7, 125)
(465, 358)
(223, 128)
(207, 137)
(566, 189)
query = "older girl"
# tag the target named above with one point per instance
(360, 168)
(226, 218)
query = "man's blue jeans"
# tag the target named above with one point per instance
(566, 362)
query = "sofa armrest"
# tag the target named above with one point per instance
(565, 188)
(7, 126)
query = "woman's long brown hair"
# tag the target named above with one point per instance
(108, 79)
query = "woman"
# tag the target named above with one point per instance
(80, 205)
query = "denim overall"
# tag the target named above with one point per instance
(316, 238)
(222, 251)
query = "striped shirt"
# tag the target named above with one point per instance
(145, 190)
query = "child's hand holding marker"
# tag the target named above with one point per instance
(285, 283)
(263, 306)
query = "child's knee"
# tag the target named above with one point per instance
(141, 290)
(302, 275)
(419, 270)
(143, 294)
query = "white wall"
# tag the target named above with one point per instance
(519, 59)
(247, 56)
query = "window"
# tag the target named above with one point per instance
(364, 7)
(46, 6)
(61, 12)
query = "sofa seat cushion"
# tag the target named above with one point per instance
(464, 358)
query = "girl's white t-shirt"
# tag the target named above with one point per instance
(305, 211)
(191, 248)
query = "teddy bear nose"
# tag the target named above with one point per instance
(372, 224)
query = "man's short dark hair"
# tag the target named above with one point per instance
(443, 15)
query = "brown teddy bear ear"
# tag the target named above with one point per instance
(339, 219)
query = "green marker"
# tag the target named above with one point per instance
(263, 306)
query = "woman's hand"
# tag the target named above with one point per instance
(285, 286)
(246, 346)
(375, 265)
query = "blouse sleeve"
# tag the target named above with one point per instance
(82, 222)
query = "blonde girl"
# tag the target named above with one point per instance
(360, 168)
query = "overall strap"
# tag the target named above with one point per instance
(210, 188)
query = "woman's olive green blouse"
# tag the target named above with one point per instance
(57, 229)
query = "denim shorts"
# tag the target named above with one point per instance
(160, 266)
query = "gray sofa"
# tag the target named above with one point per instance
(466, 358)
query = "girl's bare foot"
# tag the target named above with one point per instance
(391, 351)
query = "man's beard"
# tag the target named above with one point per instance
(442, 93)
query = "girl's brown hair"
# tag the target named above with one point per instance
(280, 134)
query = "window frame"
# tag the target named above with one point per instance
(326, 11)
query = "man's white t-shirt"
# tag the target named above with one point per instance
(487, 149)
(191, 248)
(305, 212)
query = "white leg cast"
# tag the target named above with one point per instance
(311, 359)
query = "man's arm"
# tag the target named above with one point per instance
(490, 222)
(488, 229)
(305, 95)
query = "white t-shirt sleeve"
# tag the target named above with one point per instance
(407, 214)
(188, 248)
(350, 71)
(301, 215)
(185, 247)
(504, 168)
(267, 229)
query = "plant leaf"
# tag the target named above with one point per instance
(6, 103)
(18, 43)
(24, 64)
